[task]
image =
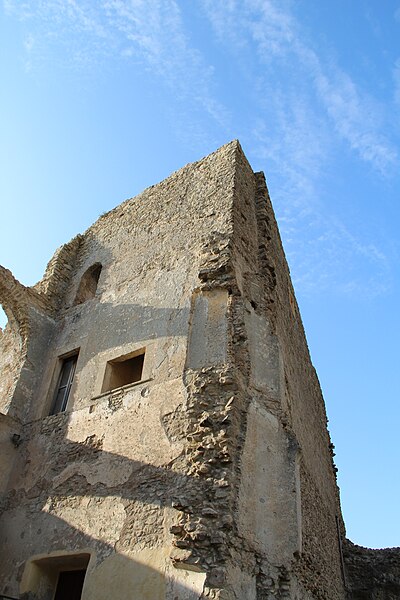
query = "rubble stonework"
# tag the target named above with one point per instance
(372, 574)
(211, 474)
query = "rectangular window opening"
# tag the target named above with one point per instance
(64, 384)
(123, 371)
(58, 576)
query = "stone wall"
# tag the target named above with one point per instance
(372, 574)
(108, 476)
(289, 499)
(22, 343)
(302, 415)
(209, 477)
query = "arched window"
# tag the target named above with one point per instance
(88, 285)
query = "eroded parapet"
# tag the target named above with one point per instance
(58, 272)
(16, 300)
(29, 314)
(372, 574)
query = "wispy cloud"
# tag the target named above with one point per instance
(308, 110)
(323, 252)
(67, 34)
(150, 32)
(156, 31)
(278, 40)
(290, 137)
(357, 118)
(396, 79)
(301, 107)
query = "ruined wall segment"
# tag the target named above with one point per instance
(30, 321)
(10, 363)
(372, 574)
(58, 273)
(288, 502)
(301, 412)
(249, 529)
(190, 457)
(105, 476)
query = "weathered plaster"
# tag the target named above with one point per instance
(212, 476)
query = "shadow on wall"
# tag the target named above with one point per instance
(35, 336)
(59, 504)
(145, 574)
(67, 498)
(111, 326)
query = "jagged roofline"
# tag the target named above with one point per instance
(235, 144)
(12, 300)
(45, 286)
(16, 298)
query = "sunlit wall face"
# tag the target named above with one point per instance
(103, 100)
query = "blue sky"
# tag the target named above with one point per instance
(102, 99)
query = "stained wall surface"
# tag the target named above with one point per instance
(102, 475)
(211, 476)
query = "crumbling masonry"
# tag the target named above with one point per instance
(163, 433)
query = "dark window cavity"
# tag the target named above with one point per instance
(64, 384)
(123, 371)
(69, 585)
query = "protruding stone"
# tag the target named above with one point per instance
(209, 512)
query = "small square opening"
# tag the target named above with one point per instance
(123, 371)
(56, 576)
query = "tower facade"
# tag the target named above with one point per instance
(163, 433)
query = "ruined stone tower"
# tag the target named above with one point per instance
(163, 434)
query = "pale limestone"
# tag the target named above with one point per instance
(210, 477)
